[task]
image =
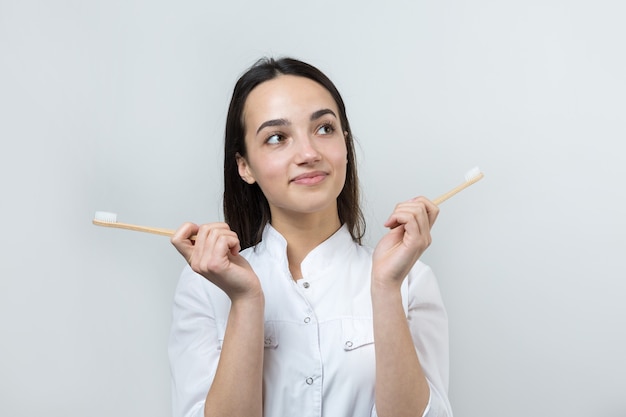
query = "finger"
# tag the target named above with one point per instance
(431, 208)
(419, 209)
(412, 220)
(215, 242)
(201, 235)
(394, 220)
(181, 239)
(184, 232)
(415, 226)
(423, 222)
(411, 206)
(415, 218)
(224, 241)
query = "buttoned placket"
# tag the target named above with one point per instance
(314, 380)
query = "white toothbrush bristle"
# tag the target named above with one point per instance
(472, 173)
(105, 216)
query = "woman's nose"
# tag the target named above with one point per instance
(306, 152)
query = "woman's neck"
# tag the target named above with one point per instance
(303, 234)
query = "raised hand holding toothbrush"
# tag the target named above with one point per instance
(408, 238)
(214, 254)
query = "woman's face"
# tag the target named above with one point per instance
(295, 145)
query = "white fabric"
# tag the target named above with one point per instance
(319, 342)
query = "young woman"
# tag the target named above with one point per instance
(281, 311)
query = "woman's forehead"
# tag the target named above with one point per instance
(286, 96)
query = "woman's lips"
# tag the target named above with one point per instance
(310, 178)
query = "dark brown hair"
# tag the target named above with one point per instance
(246, 209)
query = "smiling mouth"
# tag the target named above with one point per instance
(310, 178)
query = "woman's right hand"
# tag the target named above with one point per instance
(215, 255)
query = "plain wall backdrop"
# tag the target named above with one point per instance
(120, 106)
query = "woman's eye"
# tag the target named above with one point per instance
(325, 129)
(274, 139)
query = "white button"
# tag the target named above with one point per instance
(307, 319)
(268, 341)
(309, 381)
(306, 285)
(348, 344)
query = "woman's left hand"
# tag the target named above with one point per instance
(402, 246)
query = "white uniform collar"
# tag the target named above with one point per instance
(332, 250)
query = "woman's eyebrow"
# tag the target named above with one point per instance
(316, 115)
(271, 123)
(284, 122)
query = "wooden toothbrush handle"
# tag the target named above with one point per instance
(137, 228)
(457, 189)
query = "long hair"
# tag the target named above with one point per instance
(246, 209)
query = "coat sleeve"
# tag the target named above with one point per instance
(428, 323)
(195, 342)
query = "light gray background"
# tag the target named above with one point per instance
(120, 106)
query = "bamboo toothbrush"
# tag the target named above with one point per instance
(107, 219)
(472, 176)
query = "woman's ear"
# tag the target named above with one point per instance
(244, 169)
